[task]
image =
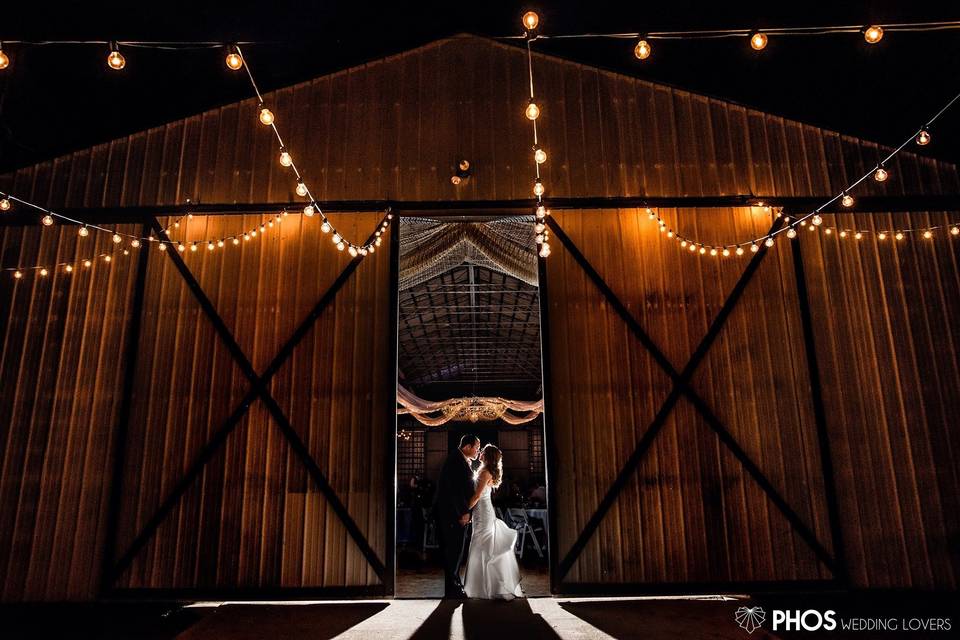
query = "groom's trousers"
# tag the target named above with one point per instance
(453, 542)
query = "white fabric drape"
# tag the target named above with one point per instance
(473, 409)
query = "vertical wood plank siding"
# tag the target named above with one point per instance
(886, 335)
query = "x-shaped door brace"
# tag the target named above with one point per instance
(681, 386)
(258, 388)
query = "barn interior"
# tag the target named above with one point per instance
(469, 333)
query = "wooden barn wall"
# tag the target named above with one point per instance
(394, 129)
(61, 373)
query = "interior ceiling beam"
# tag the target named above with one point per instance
(460, 208)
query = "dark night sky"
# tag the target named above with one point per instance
(57, 98)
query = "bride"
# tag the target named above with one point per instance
(492, 570)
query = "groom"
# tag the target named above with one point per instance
(453, 511)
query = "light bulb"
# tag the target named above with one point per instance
(116, 60)
(5, 204)
(846, 200)
(817, 220)
(858, 235)
(352, 251)
(642, 50)
(726, 252)
(758, 40)
(881, 236)
(769, 242)
(83, 231)
(539, 238)
(43, 272)
(135, 243)
(301, 189)
(791, 233)
(713, 252)
(161, 246)
(539, 155)
(87, 264)
(193, 247)
(828, 231)
(210, 246)
(234, 61)
(898, 236)
(703, 250)
(923, 138)
(285, 158)
(68, 268)
(692, 247)
(811, 228)
(533, 111)
(340, 246)
(308, 210)
(117, 238)
(180, 247)
(754, 247)
(246, 237)
(325, 227)
(739, 251)
(530, 20)
(955, 231)
(107, 258)
(17, 275)
(47, 220)
(378, 241)
(266, 116)
(538, 188)
(336, 238)
(253, 233)
(843, 234)
(220, 243)
(873, 34)
(880, 175)
(545, 250)
(539, 227)
(927, 234)
(126, 252)
(236, 241)
(4, 62)
(541, 212)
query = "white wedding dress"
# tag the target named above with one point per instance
(492, 570)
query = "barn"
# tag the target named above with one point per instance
(223, 423)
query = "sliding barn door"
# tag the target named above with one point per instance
(258, 454)
(682, 432)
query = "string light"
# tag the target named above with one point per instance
(923, 138)
(642, 50)
(538, 189)
(530, 20)
(4, 58)
(266, 116)
(880, 175)
(846, 200)
(5, 205)
(758, 40)
(533, 111)
(234, 59)
(285, 158)
(47, 220)
(116, 60)
(301, 188)
(873, 34)
(539, 155)
(83, 232)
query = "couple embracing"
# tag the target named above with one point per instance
(463, 503)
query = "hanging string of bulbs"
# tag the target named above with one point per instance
(530, 22)
(758, 38)
(122, 241)
(814, 219)
(236, 61)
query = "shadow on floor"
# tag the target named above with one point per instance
(662, 618)
(484, 619)
(256, 622)
(144, 621)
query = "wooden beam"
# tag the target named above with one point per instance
(24, 216)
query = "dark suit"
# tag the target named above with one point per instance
(454, 492)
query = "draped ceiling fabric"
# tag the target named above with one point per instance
(474, 409)
(431, 247)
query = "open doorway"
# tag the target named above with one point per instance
(469, 361)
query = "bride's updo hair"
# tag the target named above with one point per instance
(492, 462)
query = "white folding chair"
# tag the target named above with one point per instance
(524, 527)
